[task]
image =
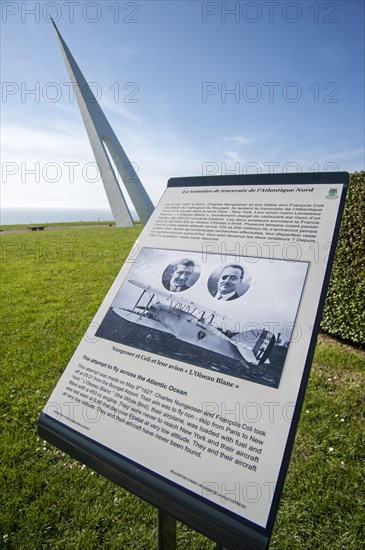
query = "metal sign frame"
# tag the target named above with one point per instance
(226, 528)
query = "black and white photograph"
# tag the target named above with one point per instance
(229, 282)
(247, 335)
(180, 275)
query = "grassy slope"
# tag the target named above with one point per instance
(52, 284)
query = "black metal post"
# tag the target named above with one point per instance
(166, 531)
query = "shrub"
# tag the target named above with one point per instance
(344, 312)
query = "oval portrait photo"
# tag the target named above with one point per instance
(229, 282)
(180, 275)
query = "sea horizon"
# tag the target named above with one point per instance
(28, 215)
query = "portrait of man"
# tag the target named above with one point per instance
(229, 282)
(179, 276)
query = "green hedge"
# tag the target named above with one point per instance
(344, 312)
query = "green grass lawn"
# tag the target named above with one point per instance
(64, 224)
(51, 286)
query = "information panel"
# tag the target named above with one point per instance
(188, 384)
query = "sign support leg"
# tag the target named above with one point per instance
(166, 531)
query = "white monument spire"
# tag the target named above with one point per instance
(102, 137)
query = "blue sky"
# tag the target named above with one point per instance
(163, 73)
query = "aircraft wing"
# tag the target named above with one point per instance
(175, 297)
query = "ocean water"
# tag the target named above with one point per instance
(43, 216)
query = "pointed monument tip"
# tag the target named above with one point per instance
(53, 23)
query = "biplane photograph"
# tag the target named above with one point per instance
(228, 314)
